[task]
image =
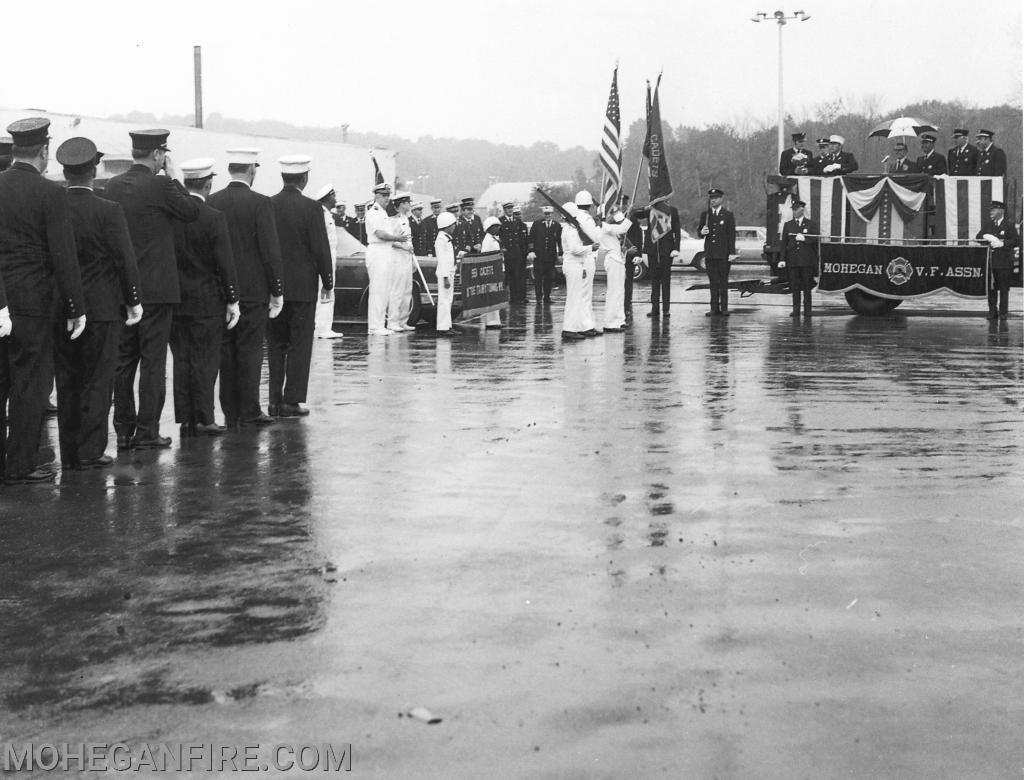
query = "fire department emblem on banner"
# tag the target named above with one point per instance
(899, 270)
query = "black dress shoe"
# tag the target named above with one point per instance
(794, 313)
(159, 443)
(725, 313)
(592, 332)
(571, 335)
(187, 430)
(807, 313)
(653, 313)
(612, 330)
(32, 478)
(292, 410)
(274, 410)
(991, 315)
(208, 429)
(492, 327)
(668, 313)
(95, 463)
(712, 313)
(261, 419)
(123, 443)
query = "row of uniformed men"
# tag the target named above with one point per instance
(205, 278)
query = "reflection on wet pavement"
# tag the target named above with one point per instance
(793, 543)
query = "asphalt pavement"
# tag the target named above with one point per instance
(705, 547)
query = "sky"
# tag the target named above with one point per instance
(510, 72)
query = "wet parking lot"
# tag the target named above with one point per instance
(743, 547)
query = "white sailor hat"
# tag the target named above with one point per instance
(491, 222)
(383, 188)
(400, 196)
(417, 204)
(584, 198)
(546, 210)
(323, 192)
(246, 155)
(836, 139)
(198, 168)
(445, 219)
(295, 163)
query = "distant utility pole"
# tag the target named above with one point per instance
(197, 61)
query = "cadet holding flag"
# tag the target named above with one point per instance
(612, 233)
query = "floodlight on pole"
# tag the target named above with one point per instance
(780, 18)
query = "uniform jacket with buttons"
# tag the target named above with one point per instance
(152, 206)
(904, 165)
(468, 234)
(991, 161)
(788, 166)
(254, 242)
(515, 238)
(1002, 258)
(106, 257)
(545, 240)
(797, 254)
(846, 161)
(206, 267)
(962, 161)
(720, 242)
(304, 248)
(428, 234)
(38, 261)
(933, 164)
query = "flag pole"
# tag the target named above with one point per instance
(601, 196)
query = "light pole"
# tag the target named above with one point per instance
(780, 18)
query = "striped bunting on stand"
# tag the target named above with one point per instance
(962, 203)
(824, 195)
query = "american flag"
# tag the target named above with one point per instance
(611, 148)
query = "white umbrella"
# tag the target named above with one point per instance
(902, 126)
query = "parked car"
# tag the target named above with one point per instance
(749, 245)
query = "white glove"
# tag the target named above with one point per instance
(134, 314)
(531, 256)
(832, 167)
(674, 254)
(997, 243)
(326, 295)
(234, 311)
(800, 237)
(704, 230)
(5, 322)
(75, 326)
(276, 304)
(782, 263)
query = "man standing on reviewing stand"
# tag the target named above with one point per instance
(800, 256)
(257, 254)
(1002, 236)
(660, 255)
(400, 292)
(153, 203)
(930, 162)
(901, 163)
(991, 159)
(962, 158)
(718, 228)
(515, 243)
(307, 253)
(429, 227)
(325, 311)
(838, 162)
(545, 247)
(40, 277)
(209, 298)
(110, 281)
(796, 161)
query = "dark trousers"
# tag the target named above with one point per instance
(195, 347)
(515, 279)
(85, 388)
(142, 349)
(289, 348)
(661, 279)
(801, 282)
(26, 375)
(718, 277)
(241, 361)
(999, 291)
(543, 278)
(627, 300)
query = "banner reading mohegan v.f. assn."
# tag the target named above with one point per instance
(904, 271)
(483, 284)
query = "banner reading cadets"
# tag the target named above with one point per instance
(483, 284)
(904, 271)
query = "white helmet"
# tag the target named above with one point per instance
(584, 198)
(445, 219)
(491, 222)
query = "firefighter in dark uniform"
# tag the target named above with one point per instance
(5, 152)
(818, 162)
(962, 158)
(660, 255)
(257, 254)
(515, 240)
(416, 228)
(39, 268)
(428, 234)
(110, 281)
(1002, 236)
(800, 255)
(991, 159)
(300, 227)
(544, 247)
(152, 205)
(634, 248)
(469, 230)
(930, 162)
(796, 161)
(838, 162)
(206, 270)
(718, 228)
(357, 227)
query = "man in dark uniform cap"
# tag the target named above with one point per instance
(257, 254)
(660, 255)
(152, 205)
(110, 278)
(991, 159)
(416, 228)
(209, 298)
(796, 161)
(817, 163)
(39, 267)
(428, 234)
(453, 208)
(930, 162)
(962, 158)
(545, 247)
(469, 230)
(357, 227)
(1002, 236)
(800, 256)
(514, 241)
(718, 228)
(5, 152)
(300, 226)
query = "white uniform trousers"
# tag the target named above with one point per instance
(378, 268)
(615, 294)
(400, 296)
(587, 292)
(444, 304)
(572, 319)
(324, 319)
